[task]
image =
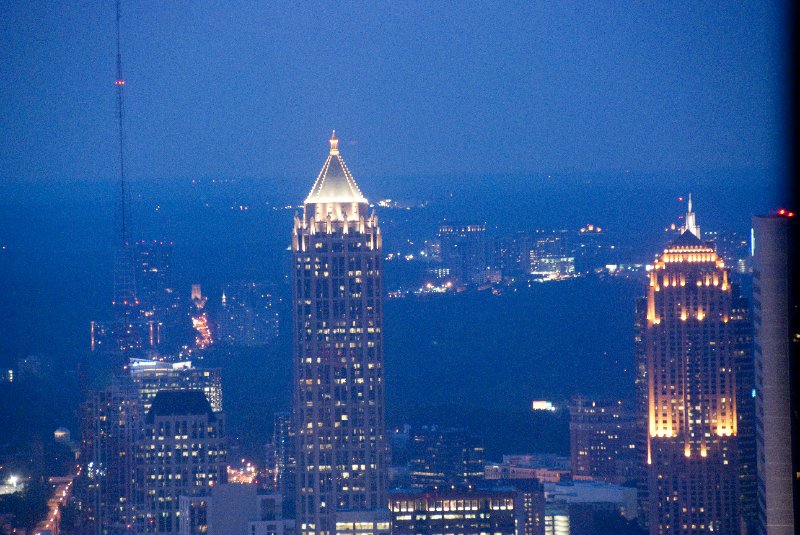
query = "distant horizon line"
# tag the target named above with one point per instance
(690, 172)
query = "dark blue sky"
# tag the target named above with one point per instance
(233, 89)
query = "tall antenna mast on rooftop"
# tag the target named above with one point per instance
(127, 337)
(120, 82)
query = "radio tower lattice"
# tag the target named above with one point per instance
(127, 336)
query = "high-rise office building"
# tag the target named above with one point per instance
(591, 249)
(248, 315)
(511, 254)
(181, 451)
(742, 321)
(110, 423)
(777, 339)
(338, 400)
(157, 296)
(285, 462)
(642, 412)
(602, 440)
(444, 457)
(463, 250)
(117, 439)
(127, 329)
(688, 347)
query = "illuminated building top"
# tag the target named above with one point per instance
(688, 395)
(687, 248)
(334, 185)
(335, 206)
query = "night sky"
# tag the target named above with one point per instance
(252, 89)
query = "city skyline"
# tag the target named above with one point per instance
(559, 300)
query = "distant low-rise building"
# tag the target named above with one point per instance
(499, 510)
(543, 468)
(233, 509)
(570, 507)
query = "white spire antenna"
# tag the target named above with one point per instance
(691, 221)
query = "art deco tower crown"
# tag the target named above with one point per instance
(335, 192)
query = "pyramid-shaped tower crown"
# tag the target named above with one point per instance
(335, 183)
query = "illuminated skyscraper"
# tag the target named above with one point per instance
(777, 340)
(338, 359)
(688, 346)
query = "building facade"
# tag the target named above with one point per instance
(158, 299)
(602, 440)
(776, 352)
(463, 251)
(444, 457)
(585, 507)
(181, 451)
(233, 509)
(503, 510)
(110, 424)
(689, 363)
(338, 399)
(285, 462)
(742, 321)
(153, 376)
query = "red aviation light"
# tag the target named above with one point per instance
(785, 213)
(120, 82)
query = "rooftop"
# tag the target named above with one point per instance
(335, 183)
(180, 403)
